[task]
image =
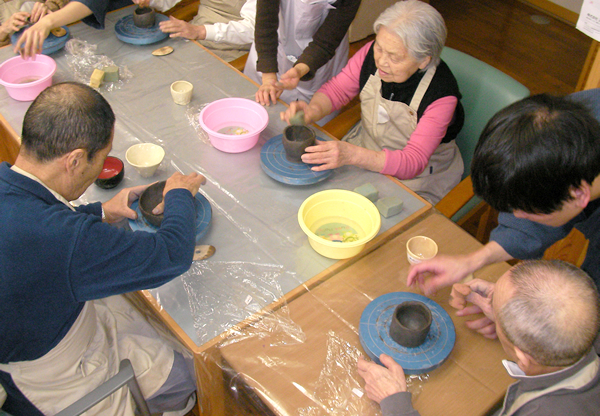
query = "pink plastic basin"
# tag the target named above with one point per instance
(24, 79)
(234, 115)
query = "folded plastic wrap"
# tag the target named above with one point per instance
(82, 59)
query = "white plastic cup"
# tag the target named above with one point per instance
(181, 91)
(420, 248)
(145, 158)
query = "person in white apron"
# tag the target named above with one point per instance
(225, 27)
(65, 326)
(410, 108)
(307, 47)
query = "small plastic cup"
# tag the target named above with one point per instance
(420, 248)
(181, 91)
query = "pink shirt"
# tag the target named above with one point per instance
(410, 161)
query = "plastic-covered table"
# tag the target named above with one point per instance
(262, 256)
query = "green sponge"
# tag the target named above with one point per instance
(389, 206)
(111, 73)
(369, 191)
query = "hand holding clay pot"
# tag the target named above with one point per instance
(295, 140)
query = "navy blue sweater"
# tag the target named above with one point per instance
(53, 260)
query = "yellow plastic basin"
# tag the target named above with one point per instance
(339, 223)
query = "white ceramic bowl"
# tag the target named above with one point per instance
(145, 158)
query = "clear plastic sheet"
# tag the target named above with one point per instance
(262, 255)
(250, 289)
(82, 59)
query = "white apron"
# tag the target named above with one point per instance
(106, 331)
(299, 20)
(389, 124)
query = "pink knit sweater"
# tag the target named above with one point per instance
(410, 161)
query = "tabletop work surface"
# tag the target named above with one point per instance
(307, 362)
(261, 251)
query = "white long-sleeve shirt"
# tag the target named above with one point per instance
(238, 32)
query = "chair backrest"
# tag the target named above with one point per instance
(485, 90)
(125, 377)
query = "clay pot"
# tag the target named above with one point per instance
(410, 324)
(149, 199)
(144, 17)
(295, 140)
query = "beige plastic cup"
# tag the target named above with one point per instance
(181, 91)
(145, 158)
(420, 248)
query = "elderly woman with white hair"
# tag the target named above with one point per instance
(410, 105)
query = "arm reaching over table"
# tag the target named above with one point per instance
(442, 271)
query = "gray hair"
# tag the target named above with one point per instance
(420, 27)
(553, 314)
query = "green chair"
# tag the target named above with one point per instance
(485, 90)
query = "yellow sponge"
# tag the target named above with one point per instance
(96, 78)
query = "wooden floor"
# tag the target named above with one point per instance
(544, 58)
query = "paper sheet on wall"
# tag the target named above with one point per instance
(589, 19)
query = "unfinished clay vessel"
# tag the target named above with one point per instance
(295, 140)
(144, 17)
(149, 199)
(410, 324)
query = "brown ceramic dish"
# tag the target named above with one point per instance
(410, 324)
(149, 199)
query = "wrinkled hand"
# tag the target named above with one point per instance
(32, 40)
(437, 273)
(142, 3)
(294, 107)
(479, 293)
(381, 382)
(182, 29)
(270, 90)
(119, 207)
(191, 182)
(291, 78)
(14, 23)
(39, 10)
(329, 155)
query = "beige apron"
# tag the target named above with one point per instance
(299, 20)
(389, 124)
(106, 331)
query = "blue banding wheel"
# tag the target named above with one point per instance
(203, 218)
(130, 33)
(51, 43)
(275, 164)
(375, 338)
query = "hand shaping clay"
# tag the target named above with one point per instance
(458, 296)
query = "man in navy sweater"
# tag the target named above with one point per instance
(64, 328)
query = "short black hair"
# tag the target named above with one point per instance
(533, 152)
(65, 117)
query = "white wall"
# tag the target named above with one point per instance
(573, 5)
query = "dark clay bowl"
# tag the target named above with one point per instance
(144, 17)
(410, 324)
(295, 140)
(149, 199)
(112, 173)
